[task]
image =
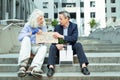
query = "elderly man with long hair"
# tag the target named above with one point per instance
(35, 25)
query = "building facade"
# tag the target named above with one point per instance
(16, 9)
(112, 12)
(105, 12)
(81, 11)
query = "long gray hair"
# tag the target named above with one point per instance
(32, 20)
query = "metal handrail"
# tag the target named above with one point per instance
(7, 26)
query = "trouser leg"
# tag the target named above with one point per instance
(53, 52)
(25, 51)
(78, 49)
(39, 57)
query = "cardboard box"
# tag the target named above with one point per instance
(46, 37)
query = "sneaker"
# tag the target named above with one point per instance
(22, 72)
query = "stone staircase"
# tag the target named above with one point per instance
(104, 58)
(96, 45)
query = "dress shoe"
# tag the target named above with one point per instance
(50, 72)
(85, 71)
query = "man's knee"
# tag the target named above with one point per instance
(53, 47)
(78, 45)
(26, 38)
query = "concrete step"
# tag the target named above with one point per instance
(9, 58)
(8, 67)
(93, 67)
(112, 57)
(65, 76)
(100, 50)
(84, 44)
(92, 57)
(91, 50)
(107, 47)
(100, 44)
(92, 41)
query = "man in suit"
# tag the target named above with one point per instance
(68, 31)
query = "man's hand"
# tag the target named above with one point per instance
(57, 35)
(39, 32)
(60, 46)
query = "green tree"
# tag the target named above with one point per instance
(54, 22)
(92, 23)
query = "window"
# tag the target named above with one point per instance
(113, 9)
(73, 15)
(92, 3)
(105, 1)
(45, 4)
(55, 5)
(112, 1)
(82, 15)
(46, 15)
(114, 19)
(55, 15)
(106, 19)
(105, 10)
(92, 15)
(81, 4)
(68, 5)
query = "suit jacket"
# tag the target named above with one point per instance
(72, 36)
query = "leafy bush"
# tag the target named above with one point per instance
(92, 23)
(54, 22)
